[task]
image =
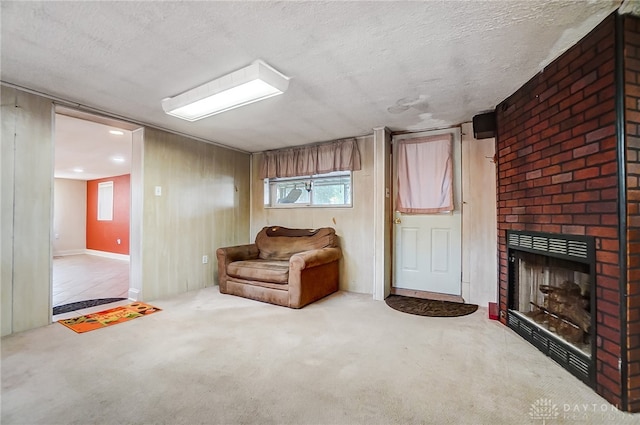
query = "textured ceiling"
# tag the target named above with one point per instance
(354, 65)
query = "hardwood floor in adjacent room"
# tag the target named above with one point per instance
(85, 277)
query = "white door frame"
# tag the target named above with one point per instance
(457, 183)
(135, 210)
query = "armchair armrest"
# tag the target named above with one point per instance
(314, 258)
(312, 275)
(238, 253)
(229, 255)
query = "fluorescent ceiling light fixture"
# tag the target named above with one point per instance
(117, 159)
(117, 132)
(255, 82)
(78, 170)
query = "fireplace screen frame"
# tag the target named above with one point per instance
(575, 248)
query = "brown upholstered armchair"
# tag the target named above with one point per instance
(288, 267)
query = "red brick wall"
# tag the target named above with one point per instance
(632, 136)
(557, 172)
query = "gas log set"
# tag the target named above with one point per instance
(565, 311)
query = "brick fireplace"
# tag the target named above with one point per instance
(568, 163)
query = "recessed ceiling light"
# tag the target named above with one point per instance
(117, 132)
(117, 159)
(78, 170)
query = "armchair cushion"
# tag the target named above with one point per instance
(263, 270)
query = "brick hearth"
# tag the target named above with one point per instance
(560, 142)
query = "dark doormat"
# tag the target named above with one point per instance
(433, 308)
(79, 305)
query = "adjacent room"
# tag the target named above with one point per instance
(320, 212)
(91, 212)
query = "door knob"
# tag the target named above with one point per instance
(397, 221)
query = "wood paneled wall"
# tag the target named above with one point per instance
(479, 230)
(26, 212)
(204, 204)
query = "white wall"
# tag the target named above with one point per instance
(354, 226)
(137, 210)
(69, 216)
(479, 228)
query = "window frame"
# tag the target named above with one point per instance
(270, 186)
(105, 201)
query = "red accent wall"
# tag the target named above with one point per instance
(557, 173)
(103, 235)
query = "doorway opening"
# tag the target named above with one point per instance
(92, 212)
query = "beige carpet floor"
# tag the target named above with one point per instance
(209, 358)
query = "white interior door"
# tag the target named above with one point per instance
(427, 254)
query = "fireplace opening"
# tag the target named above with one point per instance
(551, 297)
(556, 295)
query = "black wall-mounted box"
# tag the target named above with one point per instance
(484, 125)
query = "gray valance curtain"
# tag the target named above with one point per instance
(339, 155)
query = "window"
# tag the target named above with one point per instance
(425, 175)
(320, 190)
(105, 201)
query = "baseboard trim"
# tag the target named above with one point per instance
(135, 294)
(112, 255)
(69, 252)
(427, 295)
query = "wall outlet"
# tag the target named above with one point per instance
(118, 241)
(205, 259)
(158, 190)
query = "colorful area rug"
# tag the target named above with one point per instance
(109, 317)
(432, 308)
(79, 305)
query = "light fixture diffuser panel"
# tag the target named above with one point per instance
(253, 83)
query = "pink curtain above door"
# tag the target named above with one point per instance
(425, 175)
